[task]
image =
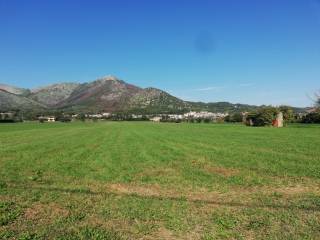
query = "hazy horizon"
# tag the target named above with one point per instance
(211, 51)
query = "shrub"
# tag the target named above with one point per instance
(191, 120)
(235, 117)
(65, 119)
(262, 117)
(81, 117)
(313, 117)
(206, 120)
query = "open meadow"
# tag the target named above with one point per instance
(141, 180)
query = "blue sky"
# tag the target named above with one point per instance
(248, 51)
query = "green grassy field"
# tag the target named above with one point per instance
(127, 180)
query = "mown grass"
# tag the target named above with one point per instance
(138, 180)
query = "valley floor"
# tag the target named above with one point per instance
(141, 180)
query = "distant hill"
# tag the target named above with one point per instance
(10, 101)
(53, 94)
(107, 94)
(152, 100)
(14, 90)
(222, 107)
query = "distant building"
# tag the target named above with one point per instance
(7, 117)
(98, 115)
(205, 115)
(155, 119)
(134, 116)
(47, 119)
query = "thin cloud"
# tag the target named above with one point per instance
(212, 88)
(217, 88)
(209, 89)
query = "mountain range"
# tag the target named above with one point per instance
(107, 94)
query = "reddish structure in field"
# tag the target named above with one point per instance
(278, 122)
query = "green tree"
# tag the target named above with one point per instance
(235, 117)
(262, 117)
(206, 120)
(81, 117)
(317, 100)
(313, 117)
(198, 120)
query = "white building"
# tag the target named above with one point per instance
(155, 119)
(205, 114)
(47, 119)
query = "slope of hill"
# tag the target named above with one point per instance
(222, 107)
(14, 90)
(53, 94)
(105, 94)
(152, 100)
(10, 101)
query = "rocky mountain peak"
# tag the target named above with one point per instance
(109, 78)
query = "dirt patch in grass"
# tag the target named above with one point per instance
(226, 172)
(222, 171)
(5, 198)
(166, 234)
(159, 192)
(157, 172)
(240, 196)
(97, 221)
(298, 190)
(161, 233)
(150, 190)
(45, 212)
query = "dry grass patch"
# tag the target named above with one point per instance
(298, 190)
(225, 172)
(157, 172)
(150, 190)
(236, 195)
(161, 233)
(166, 234)
(219, 170)
(47, 213)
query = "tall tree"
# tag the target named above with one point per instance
(318, 99)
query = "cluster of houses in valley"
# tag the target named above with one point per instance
(203, 115)
(151, 117)
(97, 115)
(163, 117)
